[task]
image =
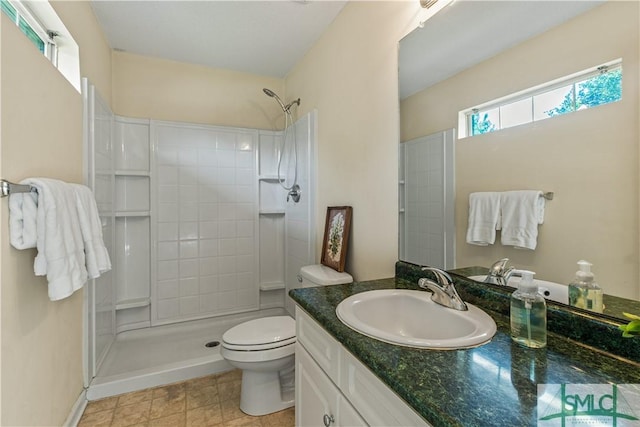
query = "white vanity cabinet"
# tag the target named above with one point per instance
(333, 388)
(318, 400)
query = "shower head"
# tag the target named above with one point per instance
(273, 95)
(270, 93)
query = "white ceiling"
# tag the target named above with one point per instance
(467, 32)
(269, 37)
(260, 37)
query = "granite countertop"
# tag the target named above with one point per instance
(489, 385)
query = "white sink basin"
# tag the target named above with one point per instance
(409, 318)
(550, 290)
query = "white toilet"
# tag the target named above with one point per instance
(264, 349)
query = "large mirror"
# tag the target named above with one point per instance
(473, 52)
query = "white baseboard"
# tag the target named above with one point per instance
(77, 410)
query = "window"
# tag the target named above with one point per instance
(31, 28)
(586, 89)
(44, 28)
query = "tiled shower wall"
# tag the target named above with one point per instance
(205, 194)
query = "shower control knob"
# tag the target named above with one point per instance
(328, 420)
(294, 193)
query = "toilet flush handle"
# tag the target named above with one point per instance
(327, 420)
(299, 278)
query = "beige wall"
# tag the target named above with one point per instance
(159, 89)
(350, 76)
(41, 135)
(589, 159)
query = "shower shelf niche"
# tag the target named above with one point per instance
(131, 173)
(132, 212)
(272, 286)
(124, 214)
(133, 303)
(271, 211)
(270, 178)
(271, 223)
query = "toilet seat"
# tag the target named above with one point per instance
(261, 334)
(258, 355)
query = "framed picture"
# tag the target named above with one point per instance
(336, 237)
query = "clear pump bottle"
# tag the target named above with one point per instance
(528, 313)
(584, 292)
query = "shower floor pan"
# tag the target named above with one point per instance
(166, 354)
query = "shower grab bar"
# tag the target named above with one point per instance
(7, 188)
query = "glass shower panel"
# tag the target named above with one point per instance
(99, 177)
(427, 224)
(206, 222)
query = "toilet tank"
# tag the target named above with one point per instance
(321, 275)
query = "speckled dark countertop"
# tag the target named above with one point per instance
(494, 384)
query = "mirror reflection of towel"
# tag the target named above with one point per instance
(522, 212)
(484, 218)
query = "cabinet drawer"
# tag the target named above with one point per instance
(376, 402)
(324, 349)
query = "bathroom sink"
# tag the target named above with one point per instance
(409, 318)
(550, 290)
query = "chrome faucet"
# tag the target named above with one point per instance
(499, 273)
(444, 293)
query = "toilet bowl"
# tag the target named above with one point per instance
(265, 349)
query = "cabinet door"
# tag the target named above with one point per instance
(318, 400)
(347, 414)
(316, 396)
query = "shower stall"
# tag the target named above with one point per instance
(201, 238)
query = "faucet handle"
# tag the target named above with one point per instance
(444, 294)
(498, 267)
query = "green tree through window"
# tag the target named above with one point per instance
(24, 26)
(589, 88)
(483, 125)
(598, 90)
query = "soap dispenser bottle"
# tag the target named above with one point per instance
(528, 313)
(584, 292)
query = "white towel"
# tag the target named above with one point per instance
(484, 218)
(97, 257)
(61, 220)
(522, 212)
(60, 245)
(22, 220)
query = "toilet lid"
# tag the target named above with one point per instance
(267, 330)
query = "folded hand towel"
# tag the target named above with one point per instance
(97, 257)
(484, 218)
(522, 212)
(22, 220)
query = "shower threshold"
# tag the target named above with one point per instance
(166, 354)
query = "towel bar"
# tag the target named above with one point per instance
(7, 188)
(548, 195)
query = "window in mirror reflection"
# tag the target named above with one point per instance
(585, 89)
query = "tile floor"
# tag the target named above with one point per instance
(208, 401)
